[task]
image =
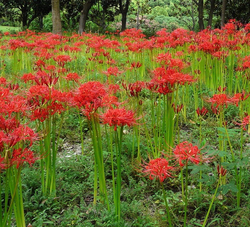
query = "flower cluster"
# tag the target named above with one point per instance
(158, 169)
(186, 151)
(119, 117)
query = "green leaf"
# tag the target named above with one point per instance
(228, 187)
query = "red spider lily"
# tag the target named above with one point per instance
(21, 133)
(50, 68)
(220, 89)
(73, 76)
(221, 171)
(119, 117)
(28, 77)
(43, 78)
(112, 71)
(134, 88)
(135, 65)
(185, 151)
(167, 60)
(12, 103)
(21, 156)
(239, 97)
(62, 59)
(164, 76)
(133, 33)
(215, 109)
(39, 63)
(152, 86)
(9, 124)
(113, 88)
(2, 163)
(158, 169)
(89, 92)
(220, 100)
(220, 54)
(202, 112)
(3, 81)
(45, 102)
(43, 112)
(245, 122)
(177, 108)
(110, 101)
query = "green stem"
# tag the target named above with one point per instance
(166, 204)
(186, 195)
(211, 204)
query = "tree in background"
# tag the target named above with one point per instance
(223, 11)
(143, 14)
(70, 13)
(56, 19)
(140, 7)
(84, 14)
(211, 13)
(200, 7)
(124, 6)
(26, 10)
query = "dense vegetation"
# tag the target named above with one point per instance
(120, 130)
(100, 15)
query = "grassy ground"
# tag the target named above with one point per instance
(9, 29)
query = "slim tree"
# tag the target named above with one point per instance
(200, 5)
(211, 12)
(56, 19)
(223, 10)
(84, 14)
(124, 11)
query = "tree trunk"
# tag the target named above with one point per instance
(24, 19)
(137, 18)
(56, 19)
(124, 11)
(84, 15)
(223, 9)
(41, 22)
(24, 16)
(211, 12)
(192, 16)
(200, 11)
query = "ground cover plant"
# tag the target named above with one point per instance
(120, 130)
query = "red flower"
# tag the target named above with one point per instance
(221, 171)
(73, 76)
(220, 100)
(112, 71)
(177, 108)
(28, 76)
(119, 117)
(239, 97)
(245, 122)
(186, 151)
(62, 59)
(202, 112)
(2, 163)
(166, 79)
(167, 60)
(22, 155)
(136, 65)
(89, 92)
(158, 169)
(134, 88)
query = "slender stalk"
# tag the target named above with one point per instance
(186, 195)
(211, 204)
(166, 204)
(81, 132)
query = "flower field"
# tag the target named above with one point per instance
(162, 124)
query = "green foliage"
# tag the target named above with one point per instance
(47, 23)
